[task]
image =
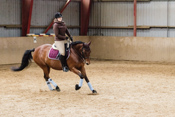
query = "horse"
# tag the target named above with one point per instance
(79, 55)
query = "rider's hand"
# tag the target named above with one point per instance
(71, 39)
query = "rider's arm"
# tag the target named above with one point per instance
(67, 32)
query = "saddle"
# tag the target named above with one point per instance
(54, 53)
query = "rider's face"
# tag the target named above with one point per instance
(60, 19)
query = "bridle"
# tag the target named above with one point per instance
(86, 49)
(82, 54)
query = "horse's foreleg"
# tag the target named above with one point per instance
(78, 86)
(89, 84)
(83, 72)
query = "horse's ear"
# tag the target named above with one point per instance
(89, 43)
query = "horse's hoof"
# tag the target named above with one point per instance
(77, 87)
(94, 91)
(58, 89)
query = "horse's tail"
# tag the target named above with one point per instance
(25, 60)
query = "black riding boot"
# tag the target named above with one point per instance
(64, 63)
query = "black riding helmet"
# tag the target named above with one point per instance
(58, 15)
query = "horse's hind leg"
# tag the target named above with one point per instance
(46, 70)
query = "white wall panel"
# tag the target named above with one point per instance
(110, 32)
(43, 11)
(152, 13)
(10, 14)
(171, 33)
(36, 30)
(130, 14)
(153, 32)
(71, 14)
(171, 14)
(10, 32)
(95, 15)
(111, 14)
(117, 32)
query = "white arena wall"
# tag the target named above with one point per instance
(149, 49)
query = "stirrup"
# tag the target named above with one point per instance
(65, 69)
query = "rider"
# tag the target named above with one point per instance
(60, 30)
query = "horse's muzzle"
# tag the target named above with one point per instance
(87, 61)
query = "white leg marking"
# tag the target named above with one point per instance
(48, 84)
(81, 83)
(90, 86)
(51, 81)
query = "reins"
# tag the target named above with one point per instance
(80, 54)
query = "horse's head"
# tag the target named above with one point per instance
(86, 52)
(82, 50)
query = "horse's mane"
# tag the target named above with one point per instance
(76, 42)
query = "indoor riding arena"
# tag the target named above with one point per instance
(130, 45)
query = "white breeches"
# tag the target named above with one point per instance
(60, 45)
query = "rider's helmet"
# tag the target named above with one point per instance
(58, 15)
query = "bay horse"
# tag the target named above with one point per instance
(79, 55)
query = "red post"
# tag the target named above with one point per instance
(85, 13)
(50, 25)
(27, 6)
(135, 17)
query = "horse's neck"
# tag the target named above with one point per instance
(77, 47)
(76, 50)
